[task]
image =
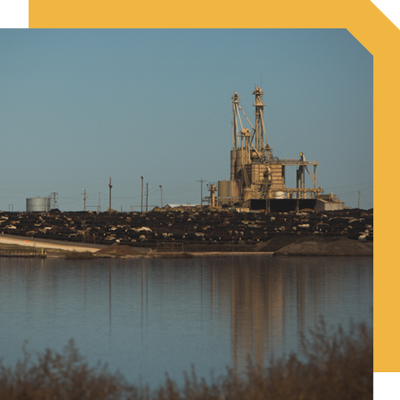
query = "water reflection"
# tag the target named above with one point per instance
(149, 316)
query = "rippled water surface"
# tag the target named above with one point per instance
(146, 317)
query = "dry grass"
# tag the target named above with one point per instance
(336, 366)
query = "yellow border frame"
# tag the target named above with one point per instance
(364, 21)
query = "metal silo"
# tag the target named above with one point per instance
(38, 204)
(223, 188)
(223, 192)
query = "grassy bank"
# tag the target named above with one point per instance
(336, 366)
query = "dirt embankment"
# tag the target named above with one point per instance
(301, 247)
(119, 250)
(321, 247)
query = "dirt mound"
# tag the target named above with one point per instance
(341, 247)
(119, 250)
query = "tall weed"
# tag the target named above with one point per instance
(335, 365)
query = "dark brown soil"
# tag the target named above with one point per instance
(321, 247)
(119, 250)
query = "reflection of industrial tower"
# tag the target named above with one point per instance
(255, 173)
(256, 309)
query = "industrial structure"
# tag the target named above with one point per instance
(257, 177)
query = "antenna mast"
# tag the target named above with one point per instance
(84, 196)
(110, 186)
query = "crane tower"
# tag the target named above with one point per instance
(255, 173)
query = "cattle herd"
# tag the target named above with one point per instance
(194, 229)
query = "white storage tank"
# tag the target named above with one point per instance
(38, 204)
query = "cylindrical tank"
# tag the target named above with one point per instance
(38, 204)
(235, 189)
(223, 192)
(223, 188)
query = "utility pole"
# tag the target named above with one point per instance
(54, 194)
(147, 196)
(141, 207)
(110, 186)
(161, 195)
(358, 200)
(201, 193)
(84, 199)
(98, 207)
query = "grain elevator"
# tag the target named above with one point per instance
(257, 177)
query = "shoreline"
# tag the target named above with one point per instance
(49, 244)
(305, 247)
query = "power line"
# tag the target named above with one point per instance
(354, 191)
(358, 184)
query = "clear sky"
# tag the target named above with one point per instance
(80, 106)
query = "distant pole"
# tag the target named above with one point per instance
(201, 191)
(161, 195)
(84, 199)
(141, 207)
(358, 200)
(98, 207)
(110, 186)
(147, 196)
(54, 194)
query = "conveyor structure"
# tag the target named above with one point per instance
(255, 173)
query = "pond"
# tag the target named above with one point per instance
(146, 317)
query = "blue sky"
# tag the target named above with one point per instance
(80, 106)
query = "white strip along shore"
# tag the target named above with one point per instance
(51, 244)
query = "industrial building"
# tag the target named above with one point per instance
(258, 178)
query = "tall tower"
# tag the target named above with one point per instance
(235, 109)
(259, 128)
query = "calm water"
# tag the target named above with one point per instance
(146, 317)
